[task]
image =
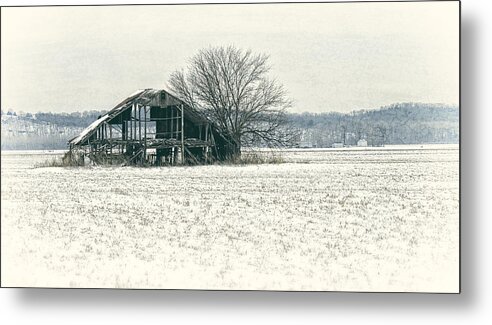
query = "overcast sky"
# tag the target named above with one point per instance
(330, 57)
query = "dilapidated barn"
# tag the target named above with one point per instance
(151, 127)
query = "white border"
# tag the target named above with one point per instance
(23, 306)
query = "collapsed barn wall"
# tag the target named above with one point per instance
(151, 127)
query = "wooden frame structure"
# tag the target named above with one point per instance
(150, 127)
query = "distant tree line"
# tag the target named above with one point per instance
(402, 123)
(27, 131)
(80, 119)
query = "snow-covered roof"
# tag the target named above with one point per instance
(89, 130)
(143, 96)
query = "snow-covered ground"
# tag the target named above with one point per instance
(427, 146)
(32, 153)
(353, 220)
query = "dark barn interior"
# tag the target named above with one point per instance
(151, 127)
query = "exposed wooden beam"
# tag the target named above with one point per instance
(145, 132)
(182, 135)
(139, 122)
(172, 122)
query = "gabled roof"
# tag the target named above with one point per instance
(143, 97)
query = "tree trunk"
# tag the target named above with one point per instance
(235, 149)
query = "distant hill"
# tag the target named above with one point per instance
(402, 123)
(42, 130)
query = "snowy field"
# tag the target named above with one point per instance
(378, 219)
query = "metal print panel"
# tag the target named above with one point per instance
(293, 147)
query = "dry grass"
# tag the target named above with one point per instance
(256, 158)
(68, 159)
(52, 162)
(246, 158)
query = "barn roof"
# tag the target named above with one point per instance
(142, 97)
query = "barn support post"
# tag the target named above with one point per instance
(135, 121)
(177, 124)
(192, 156)
(139, 122)
(145, 133)
(182, 136)
(111, 140)
(97, 138)
(123, 130)
(105, 135)
(130, 124)
(172, 122)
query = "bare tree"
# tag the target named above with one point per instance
(357, 125)
(231, 86)
(342, 127)
(382, 133)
